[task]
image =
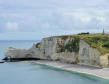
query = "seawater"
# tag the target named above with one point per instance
(32, 73)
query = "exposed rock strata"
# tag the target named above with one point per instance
(68, 50)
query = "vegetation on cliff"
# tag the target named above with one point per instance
(98, 41)
(37, 45)
(73, 45)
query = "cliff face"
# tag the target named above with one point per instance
(64, 49)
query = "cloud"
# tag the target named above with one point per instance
(101, 19)
(53, 17)
(12, 26)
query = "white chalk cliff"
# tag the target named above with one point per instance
(64, 49)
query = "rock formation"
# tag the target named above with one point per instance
(62, 48)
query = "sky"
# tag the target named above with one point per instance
(35, 19)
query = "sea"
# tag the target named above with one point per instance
(27, 72)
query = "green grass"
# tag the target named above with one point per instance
(98, 41)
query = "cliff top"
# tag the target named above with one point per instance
(99, 41)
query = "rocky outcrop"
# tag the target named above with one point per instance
(65, 49)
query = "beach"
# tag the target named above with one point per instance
(100, 72)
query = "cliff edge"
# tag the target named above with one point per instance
(83, 49)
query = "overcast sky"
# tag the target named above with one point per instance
(35, 19)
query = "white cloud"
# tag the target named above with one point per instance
(12, 26)
(101, 19)
(79, 17)
(53, 16)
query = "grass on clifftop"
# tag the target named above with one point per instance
(98, 41)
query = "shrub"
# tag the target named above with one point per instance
(73, 45)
